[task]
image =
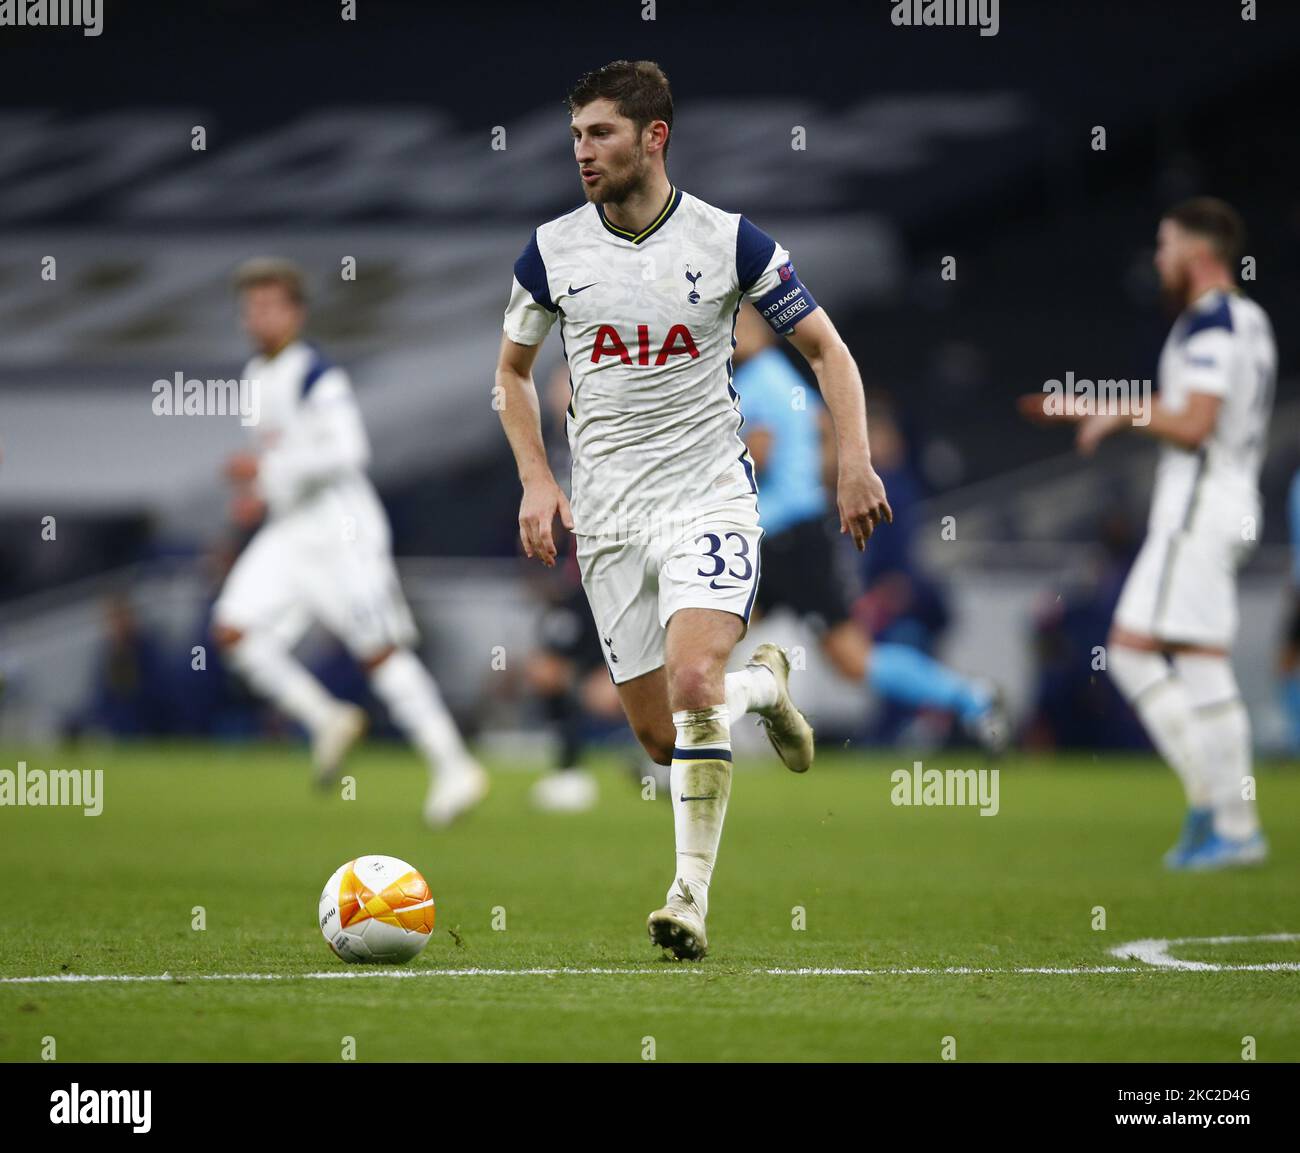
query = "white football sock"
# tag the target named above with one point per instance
(416, 706)
(750, 689)
(1159, 698)
(275, 673)
(701, 774)
(1223, 731)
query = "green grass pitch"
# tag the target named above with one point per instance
(239, 832)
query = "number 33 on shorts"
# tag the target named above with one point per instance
(716, 569)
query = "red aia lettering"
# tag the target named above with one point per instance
(678, 342)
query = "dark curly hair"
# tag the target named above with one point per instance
(638, 88)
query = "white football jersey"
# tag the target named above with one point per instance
(647, 325)
(312, 445)
(1222, 344)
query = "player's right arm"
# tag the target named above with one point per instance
(543, 499)
(1186, 428)
(1205, 359)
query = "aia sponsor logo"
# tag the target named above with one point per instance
(678, 342)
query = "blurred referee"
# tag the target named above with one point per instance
(789, 435)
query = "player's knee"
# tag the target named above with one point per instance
(658, 743)
(695, 683)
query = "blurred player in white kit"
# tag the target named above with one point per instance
(323, 554)
(1171, 638)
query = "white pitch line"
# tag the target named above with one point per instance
(410, 974)
(402, 974)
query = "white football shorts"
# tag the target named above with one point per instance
(635, 583)
(1182, 588)
(338, 568)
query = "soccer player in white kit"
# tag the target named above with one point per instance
(646, 281)
(323, 554)
(1176, 619)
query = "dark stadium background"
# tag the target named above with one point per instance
(922, 143)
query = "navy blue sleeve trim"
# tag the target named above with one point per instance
(754, 250)
(1220, 316)
(319, 367)
(530, 271)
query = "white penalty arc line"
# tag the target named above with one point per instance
(1154, 951)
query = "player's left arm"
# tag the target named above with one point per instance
(860, 493)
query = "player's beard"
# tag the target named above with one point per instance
(616, 187)
(1173, 293)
